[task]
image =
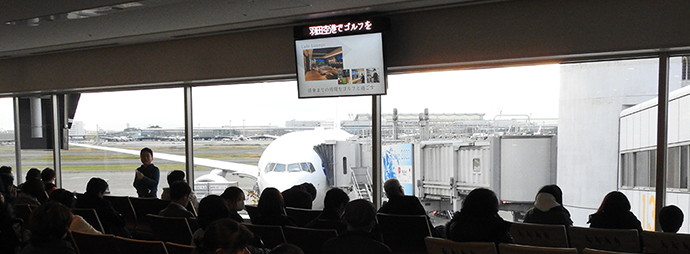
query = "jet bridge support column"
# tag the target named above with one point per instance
(376, 150)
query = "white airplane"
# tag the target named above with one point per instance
(287, 161)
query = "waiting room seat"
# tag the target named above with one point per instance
(170, 229)
(623, 240)
(660, 242)
(94, 243)
(271, 236)
(122, 205)
(193, 224)
(144, 206)
(89, 216)
(174, 248)
(594, 251)
(253, 212)
(302, 216)
(539, 235)
(505, 248)
(444, 246)
(308, 239)
(404, 233)
(131, 246)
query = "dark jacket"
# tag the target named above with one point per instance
(328, 219)
(147, 186)
(355, 242)
(406, 205)
(624, 220)
(111, 219)
(50, 247)
(235, 216)
(175, 210)
(491, 228)
(555, 216)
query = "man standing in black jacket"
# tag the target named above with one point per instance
(146, 178)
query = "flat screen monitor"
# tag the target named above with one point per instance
(347, 65)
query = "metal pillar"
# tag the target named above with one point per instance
(189, 136)
(661, 138)
(17, 143)
(376, 150)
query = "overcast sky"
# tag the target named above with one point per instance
(531, 90)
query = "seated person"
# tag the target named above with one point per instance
(614, 213)
(67, 199)
(179, 199)
(360, 218)
(174, 176)
(272, 209)
(111, 220)
(32, 193)
(49, 225)
(478, 220)
(234, 199)
(300, 196)
(334, 206)
(670, 218)
(225, 236)
(548, 208)
(400, 204)
(48, 178)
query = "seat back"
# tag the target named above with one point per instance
(539, 235)
(623, 240)
(302, 216)
(128, 245)
(593, 251)
(144, 206)
(505, 248)
(271, 236)
(94, 243)
(308, 239)
(443, 246)
(659, 242)
(89, 216)
(404, 233)
(170, 229)
(122, 205)
(253, 212)
(193, 224)
(174, 248)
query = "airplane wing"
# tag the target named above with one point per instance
(239, 169)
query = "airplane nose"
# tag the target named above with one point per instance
(279, 180)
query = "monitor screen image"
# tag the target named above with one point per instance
(340, 66)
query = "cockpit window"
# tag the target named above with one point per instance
(279, 168)
(293, 167)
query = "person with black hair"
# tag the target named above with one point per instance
(478, 220)
(334, 206)
(360, 218)
(234, 200)
(147, 175)
(225, 236)
(32, 193)
(8, 189)
(111, 220)
(48, 178)
(175, 176)
(49, 226)
(179, 199)
(614, 213)
(670, 218)
(300, 196)
(78, 223)
(271, 209)
(10, 234)
(287, 248)
(32, 174)
(548, 208)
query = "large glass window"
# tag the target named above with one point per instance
(7, 147)
(110, 129)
